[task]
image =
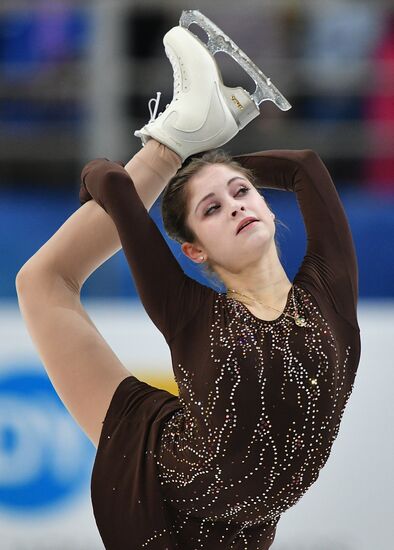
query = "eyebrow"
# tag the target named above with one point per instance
(213, 194)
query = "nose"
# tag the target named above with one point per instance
(236, 208)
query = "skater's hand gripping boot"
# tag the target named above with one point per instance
(204, 113)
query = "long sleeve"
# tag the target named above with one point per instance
(169, 296)
(329, 267)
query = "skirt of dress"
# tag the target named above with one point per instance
(128, 503)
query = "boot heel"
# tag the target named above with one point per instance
(241, 105)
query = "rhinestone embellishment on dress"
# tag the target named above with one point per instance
(258, 421)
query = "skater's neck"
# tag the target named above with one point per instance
(265, 281)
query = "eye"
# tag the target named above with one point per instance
(243, 190)
(208, 210)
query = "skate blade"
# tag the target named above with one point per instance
(220, 42)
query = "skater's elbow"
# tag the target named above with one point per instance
(33, 277)
(307, 155)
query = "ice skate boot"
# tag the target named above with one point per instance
(204, 113)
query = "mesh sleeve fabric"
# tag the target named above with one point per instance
(330, 264)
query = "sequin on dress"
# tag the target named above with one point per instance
(260, 402)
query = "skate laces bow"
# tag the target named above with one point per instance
(153, 111)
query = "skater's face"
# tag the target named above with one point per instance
(219, 199)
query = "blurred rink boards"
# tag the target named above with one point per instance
(46, 460)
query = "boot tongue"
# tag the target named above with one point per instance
(176, 71)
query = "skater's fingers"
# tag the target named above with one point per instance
(84, 195)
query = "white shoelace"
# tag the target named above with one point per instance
(156, 101)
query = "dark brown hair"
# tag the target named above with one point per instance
(175, 199)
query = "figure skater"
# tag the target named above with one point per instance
(264, 369)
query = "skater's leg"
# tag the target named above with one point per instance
(81, 365)
(151, 169)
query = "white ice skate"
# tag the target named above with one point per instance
(204, 113)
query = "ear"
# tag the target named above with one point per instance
(193, 252)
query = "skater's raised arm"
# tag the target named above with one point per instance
(330, 263)
(169, 296)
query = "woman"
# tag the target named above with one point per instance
(264, 370)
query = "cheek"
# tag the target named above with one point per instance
(205, 232)
(264, 211)
(267, 212)
(213, 237)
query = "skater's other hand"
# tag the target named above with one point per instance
(90, 187)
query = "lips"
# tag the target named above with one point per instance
(245, 222)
